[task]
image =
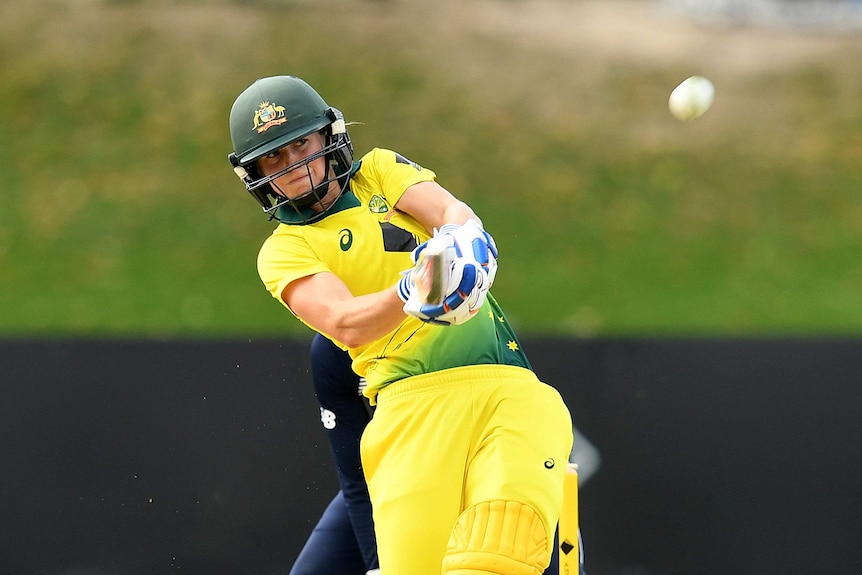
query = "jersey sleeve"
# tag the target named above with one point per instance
(391, 173)
(285, 257)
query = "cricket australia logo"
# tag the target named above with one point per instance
(268, 115)
(378, 205)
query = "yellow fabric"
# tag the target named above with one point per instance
(349, 243)
(442, 443)
(352, 241)
(498, 537)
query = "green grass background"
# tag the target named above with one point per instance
(119, 215)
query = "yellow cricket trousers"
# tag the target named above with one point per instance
(441, 443)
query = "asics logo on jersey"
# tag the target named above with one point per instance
(327, 418)
(345, 239)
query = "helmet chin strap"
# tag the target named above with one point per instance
(314, 196)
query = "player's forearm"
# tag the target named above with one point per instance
(433, 206)
(363, 319)
(458, 213)
(325, 303)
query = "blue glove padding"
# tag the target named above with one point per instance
(470, 238)
(405, 285)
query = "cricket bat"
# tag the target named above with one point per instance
(570, 553)
(431, 272)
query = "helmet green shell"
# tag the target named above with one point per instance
(273, 112)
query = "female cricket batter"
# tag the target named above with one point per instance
(467, 450)
(343, 539)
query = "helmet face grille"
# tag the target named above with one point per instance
(309, 207)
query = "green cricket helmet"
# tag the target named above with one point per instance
(272, 113)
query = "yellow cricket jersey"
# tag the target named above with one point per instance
(367, 243)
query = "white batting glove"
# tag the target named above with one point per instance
(470, 257)
(472, 239)
(466, 291)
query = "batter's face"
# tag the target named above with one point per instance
(301, 179)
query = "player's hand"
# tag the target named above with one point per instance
(412, 279)
(466, 291)
(472, 239)
(471, 262)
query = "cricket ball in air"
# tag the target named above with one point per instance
(691, 98)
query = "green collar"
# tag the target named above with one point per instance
(347, 200)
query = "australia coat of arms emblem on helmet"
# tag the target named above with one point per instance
(268, 115)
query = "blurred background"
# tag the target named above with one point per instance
(127, 247)
(119, 214)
